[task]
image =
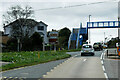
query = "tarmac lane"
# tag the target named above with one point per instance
(75, 67)
(79, 67)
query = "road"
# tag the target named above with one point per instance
(79, 67)
(75, 67)
(35, 71)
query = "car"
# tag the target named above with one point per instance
(105, 46)
(87, 50)
(97, 46)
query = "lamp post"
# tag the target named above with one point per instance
(89, 29)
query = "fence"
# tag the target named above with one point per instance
(111, 53)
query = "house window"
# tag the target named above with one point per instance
(40, 27)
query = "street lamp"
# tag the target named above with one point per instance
(89, 29)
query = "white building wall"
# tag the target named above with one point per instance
(7, 30)
(42, 31)
(35, 29)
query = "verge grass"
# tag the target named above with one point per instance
(28, 58)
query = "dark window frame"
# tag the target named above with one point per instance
(40, 27)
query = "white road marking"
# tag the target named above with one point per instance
(16, 77)
(84, 59)
(51, 70)
(76, 55)
(102, 61)
(102, 58)
(44, 75)
(48, 73)
(25, 73)
(4, 77)
(106, 76)
(103, 68)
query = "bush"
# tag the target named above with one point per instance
(12, 44)
(36, 41)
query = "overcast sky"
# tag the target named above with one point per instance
(72, 16)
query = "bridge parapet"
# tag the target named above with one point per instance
(104, 24)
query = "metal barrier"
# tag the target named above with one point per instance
(111, 53)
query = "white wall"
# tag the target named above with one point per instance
(43, 31)
(8, 30)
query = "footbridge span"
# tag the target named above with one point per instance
(80, 35)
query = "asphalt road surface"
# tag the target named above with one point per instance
(79, 67)
(35, 71)
(75, 67)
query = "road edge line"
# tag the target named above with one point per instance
(102, 62)
(43, 76)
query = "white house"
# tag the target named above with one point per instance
(39, 27)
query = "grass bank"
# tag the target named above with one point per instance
(21, 59)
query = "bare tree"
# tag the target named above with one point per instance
(17, 12)
(20, 15)
(19, 20)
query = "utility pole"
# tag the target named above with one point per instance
(119, 22)
(104, 38)
(89, 29)
(118, 31)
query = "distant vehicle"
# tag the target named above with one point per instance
(98, 46)
(105, 46)
(87, 49)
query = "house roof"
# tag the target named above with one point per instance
(43, 23)
(31, 21)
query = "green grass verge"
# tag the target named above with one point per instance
(21, 59)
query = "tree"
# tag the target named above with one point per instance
(36, 41)
(12, 44)
(64, 37)
(27, 44)
(17, 12)
(18, 17)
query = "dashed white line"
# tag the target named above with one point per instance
(103, 68)
(102, 61)
(76, 55)
(84, 60)
(106, 76)
(102, 57)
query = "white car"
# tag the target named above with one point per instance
(87, 50)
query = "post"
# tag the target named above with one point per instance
(104, 38)
(18, 47)
(119, 22)
(43, 46)
(43, 42)
(89, 29)
(107, 53)
(54, 47)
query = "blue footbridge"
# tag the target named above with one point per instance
(79, 36)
